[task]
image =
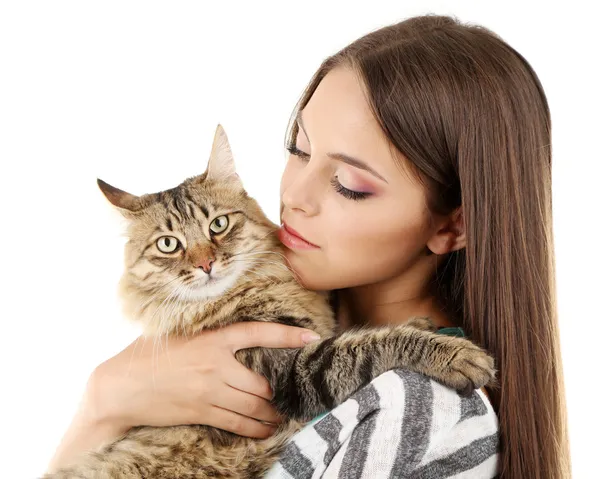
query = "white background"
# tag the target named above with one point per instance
(131, 92)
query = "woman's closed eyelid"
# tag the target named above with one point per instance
(294, 150)
(335, 183)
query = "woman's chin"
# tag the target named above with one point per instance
(312, 273)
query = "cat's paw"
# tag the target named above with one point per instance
(469, 367)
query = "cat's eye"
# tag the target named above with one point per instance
(167, 244)
(219, 224)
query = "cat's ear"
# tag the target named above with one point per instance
(127, 204)
(221, 166)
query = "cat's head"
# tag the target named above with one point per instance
(194, 241)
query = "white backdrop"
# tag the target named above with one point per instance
(131, 92)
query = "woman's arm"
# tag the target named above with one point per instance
(84, 433)
(193, 380)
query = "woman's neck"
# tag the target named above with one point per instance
(389, 303)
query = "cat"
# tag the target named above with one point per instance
(203, 255)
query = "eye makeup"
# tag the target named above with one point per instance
(342, 190)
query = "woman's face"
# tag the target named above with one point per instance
(365, 215)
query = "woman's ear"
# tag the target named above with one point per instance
(450, 235)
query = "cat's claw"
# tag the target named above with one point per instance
(470, 367)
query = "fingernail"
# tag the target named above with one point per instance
(310, 337)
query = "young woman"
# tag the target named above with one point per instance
(418, 183)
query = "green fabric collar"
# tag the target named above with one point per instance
(454, 331)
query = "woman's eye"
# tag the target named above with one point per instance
(345, 192)
(293, 149)
(219, 224)
(167, 244)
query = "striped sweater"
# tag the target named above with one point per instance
(400, 425)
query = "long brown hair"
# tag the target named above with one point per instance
(470, 114)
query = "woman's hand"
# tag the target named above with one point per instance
(190, 381)
(184, 381)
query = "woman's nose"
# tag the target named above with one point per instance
(302, 193)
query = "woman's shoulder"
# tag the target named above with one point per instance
(426, 419)
(408, 393)
(429, 430)
(400, 423)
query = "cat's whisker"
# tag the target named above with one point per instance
(133, 353)
(159, 310)
(185, 295)
(253, 264)
(183, 324)
(261, 262)
(153, 297)
(169, 296)
(285, 265)
(168, 310)
(259, 256)
(259, 252)
(272, 261)
(269, 277)
(165, 318)
(270, 232)
(262, 276)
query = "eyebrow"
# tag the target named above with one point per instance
(341, 156)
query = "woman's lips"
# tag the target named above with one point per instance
(292, 239)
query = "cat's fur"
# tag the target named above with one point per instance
(166, 294)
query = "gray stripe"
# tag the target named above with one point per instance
(471, 406)
(296, 463)
(464, 459)
(368, 401)
(329, 429)
(355, 457)
(416, 425)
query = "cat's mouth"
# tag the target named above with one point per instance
(206, 279)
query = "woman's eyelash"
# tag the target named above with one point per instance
(350, 194)
(295, 151)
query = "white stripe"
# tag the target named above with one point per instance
(385, 385)
(312, 445)
(333, 470)
(461, 435)
(446, 413)
(385, 439)
(488, 468)
(346, 414)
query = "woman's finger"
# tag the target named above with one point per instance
(238, 424)
(267, 335)
(245, 404)
(244, 379)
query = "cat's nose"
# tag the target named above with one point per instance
(205, 264)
